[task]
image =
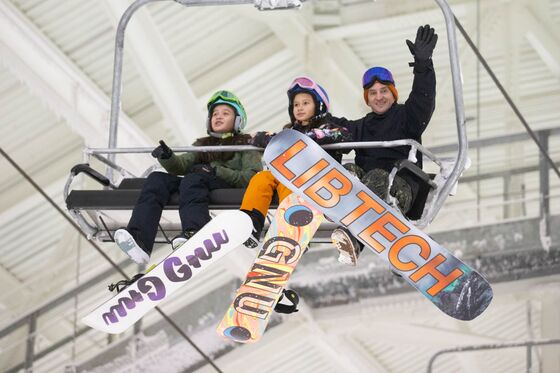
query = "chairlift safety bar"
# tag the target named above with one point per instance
(240, 148)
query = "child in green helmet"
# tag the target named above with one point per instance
(202, 172)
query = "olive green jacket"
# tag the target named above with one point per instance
(237, 171)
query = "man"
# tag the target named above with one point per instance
(390, 120)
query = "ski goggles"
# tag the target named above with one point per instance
(226, 96)
(304, 82)
(380, 74)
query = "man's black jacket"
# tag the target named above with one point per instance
(401, 121)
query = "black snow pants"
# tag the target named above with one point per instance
(194, 190)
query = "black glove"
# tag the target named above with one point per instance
(162, 151)
(203, 168)
(261, 139)
(423, 47)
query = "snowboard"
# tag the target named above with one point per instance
(219, 237)
(294, 225)
(304, 167)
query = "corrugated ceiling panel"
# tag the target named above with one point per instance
(217, 34)
(555, 10)
(83, 31)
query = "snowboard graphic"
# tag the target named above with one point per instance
(294, 224)
(219, 237)
(304, 167)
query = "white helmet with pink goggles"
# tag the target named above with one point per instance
(308, 85)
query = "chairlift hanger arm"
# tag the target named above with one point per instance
(461, 159)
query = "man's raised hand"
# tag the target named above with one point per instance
(425, 42)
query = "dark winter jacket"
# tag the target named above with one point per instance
(322, 130)
(236, 168)
(401, 121)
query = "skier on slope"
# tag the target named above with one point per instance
(202, 172)
(308, 108)
(389, 121)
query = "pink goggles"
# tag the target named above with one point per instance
(306, 83)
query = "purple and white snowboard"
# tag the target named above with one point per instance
(219, 237)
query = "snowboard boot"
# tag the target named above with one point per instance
(132, 246)
(354, 170)
(347, 246)
(180, 239)
(377, 180)
(258, 223)
(123, 284)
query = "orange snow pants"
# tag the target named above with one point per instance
(260, 191)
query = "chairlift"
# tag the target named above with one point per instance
(100, 212)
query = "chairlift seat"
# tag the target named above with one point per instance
(101, 212)
(126, 196)
(111, 204)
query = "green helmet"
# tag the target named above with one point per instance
(228, 98)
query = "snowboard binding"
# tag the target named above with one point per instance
(123, 284)
(287, 308)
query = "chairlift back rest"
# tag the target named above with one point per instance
(126, 196)
(406, 166)
(425, 185)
